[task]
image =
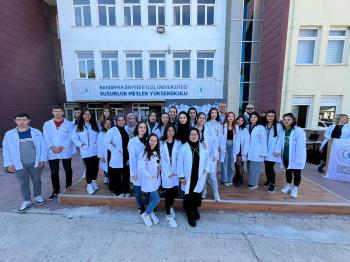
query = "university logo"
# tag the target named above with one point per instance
(86, 91)
(201, 90)
(344, 155)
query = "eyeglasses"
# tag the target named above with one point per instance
(250, 108)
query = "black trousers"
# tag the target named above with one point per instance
(291, 172)
(91, 164)
(55, 178)
(119, 180)
(170, 195)
(270, 172)
(192, 201)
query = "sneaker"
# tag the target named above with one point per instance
(154, 218)
(146, 219)
(217, 197)
(171, 221)
(172, 212)
(272, 188)
(40, 200)
(230, 184)
(90, 189)
(94, 184)
(294, 192)
(204, 196)
(191, 222)
(106, 180)
(227, 184)
(84, 175)
(267, 184)
(25, 206)
(127, 195)
(286, 189)
(53, 196)
(250, 187)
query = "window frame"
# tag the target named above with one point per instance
(157, 5)
(107, 6)
(132, 5)
(206, 13)
(158, 59)
(205, 64)
(86, 66)
(309, 38)
(181, 68)
(133, 63)
(181, 12)
(338, 38)
(81, 7)
(110, 64)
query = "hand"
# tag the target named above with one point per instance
(276, 154)
(83, 144)
(103, 160)
(135, 177)
(182, 181)
(11, 169)
(55, 149)
(41, 164)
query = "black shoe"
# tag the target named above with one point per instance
(239, 182)
(141, 210)
(272, 188)
(267, 184)
(53, 196)
(192, 222)
(196, 215)
(320, 169)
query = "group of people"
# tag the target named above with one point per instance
(164, 152)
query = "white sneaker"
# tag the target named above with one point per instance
(171, 221)
(146, 219)
(227, 184)
(84, 175)
(217, 197)
(40, 200)
(127, 195)
(94, 184)
(286, 189)
(294, 192)
(106, 180)
(90, 189)
(154, 218)
(172, 212)
(24, 206)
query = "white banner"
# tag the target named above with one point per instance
(339, 161)
(145, 90)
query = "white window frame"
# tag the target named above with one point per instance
(313, 38)
(158, 59)
(81, 7)
(205, 64)
(132, 5)
(338, 38)
(62, 72)
(181, 59)
(110, 64)
(85, 62)
(181, 12)
(157, 5)
(107, 6)
(206, 12)
(133, 63)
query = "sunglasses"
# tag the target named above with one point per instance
(250, 108)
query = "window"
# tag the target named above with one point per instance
(328, 109)
(307, 46)
(336, 46)
(106, 12)
(157, 65)
(156, 12)
(132, 12)
(205, 64)
(109, 64)
(205, 12)
(182, 13)
(300, 108)
(82, 12)
(62, 72)
(117, 108)
(181, 64)
(86, 65)
(133, 65)
(96, 108)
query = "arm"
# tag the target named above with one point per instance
(278, 147)
(43, 150)
(100, 145)
(207, 162)
(142, 166)
(132, 159)
(6, 152)
(300, 150)
(67, 143)
(47, 137)
(76, 138)
(263, 140)
(179, 163)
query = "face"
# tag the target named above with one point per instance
(76, 113)
(165, 119)
(121, 121)
(201, 119)
(253, 119)
(343, 120)
(270, 117)
(222, 108)
(153, 117)
(87, 116)
(131, 119)
(106, 113)
(194, 136)
(57, 113)
(183, 119)
(249, 109)
(142, 129)
(153, 141)
(230, 117)
(171, 132)
(107, 124)
(213, 114)
(22, 122)
(193, 114)
(240, 121)
(287, 121)
(172, 113)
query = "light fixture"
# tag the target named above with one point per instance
(161, 29)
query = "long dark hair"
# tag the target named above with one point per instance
(188, 113)
(183, 130)
(160, 120)
(81, 122)
(257, 115)
(103, 124)
(150, 113)
(217, 114)
(243, 125)
(148, 151)
(165, 136)
(110, 110)
(136, 130)
(274, 123)
(293, 118)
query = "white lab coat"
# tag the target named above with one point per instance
(11, 151)
(297, 148)
(114, 144)
(274, 144)
(184, 167)
(128, 131)
(135, 148)
(214, 130)
(150, 178)
(150, 131)
(102, 150)
(235, 147)
(159, 131)
(345, 134)
(244, 139)
(87, 137)
(257, 144)
(169, 167)
(59, 137)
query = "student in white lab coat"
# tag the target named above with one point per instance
(149, 166)
(85, 138)
(293, 154)
(192, 114)
(203, 132)
(152, 121)
(214, 128)
(102, 149)
(164, 121)
(274, 136)
(229, 148)
(183, 127)
(130, 124)
(173, 115)
(57, 134)
(244, 138)
(192, 169)
(169, 148)
(25, 153)
(136, 146)
(257, 150)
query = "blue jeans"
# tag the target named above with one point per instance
(154, 200)
(138, 196)
(227, 166)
